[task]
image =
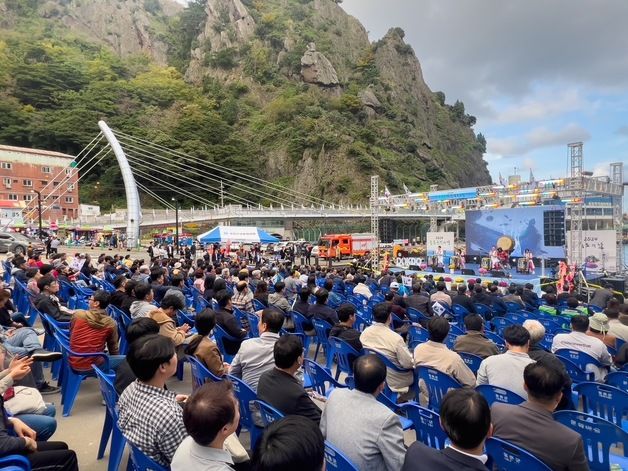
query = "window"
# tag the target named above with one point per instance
(28, 197)
(43, 182)
(55, 183)
(6, 165)
(46, 170)
(27, 182)
(13, 197)
(68, 171)
(71, 187)
(69, 199)
(7, 182)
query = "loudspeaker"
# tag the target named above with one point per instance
(467, 271)
(439, 270)
(414, 267)
(498, 274)
(618, 284)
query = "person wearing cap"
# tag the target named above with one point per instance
(598, 328)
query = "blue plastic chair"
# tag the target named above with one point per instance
(619, 379)
(500, 324)
(246, 396)
(471, 360)
(72, 379)
(253, 324)
(269, 413)
(360, 323)
(299, 327)
(581, 359)
(450, 340)
(344, 354)
(506, 457)
(426, 423)
(220, 335)
(437, 384)
(599, 436)
(512, 306)
(14, 462)
(460, 312)
(416, 336)
(140, 462)
(321, 378)
(200, 373)
(335, 460)
(322, 329)
(495, 394)
(110, 427)
(483, 310)
(576, 374)
(258, 305)
(496, 339)
(605, 401)
(390, 365)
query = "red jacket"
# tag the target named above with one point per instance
(90, 331)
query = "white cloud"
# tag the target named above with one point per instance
(535, 139)
(541, 105)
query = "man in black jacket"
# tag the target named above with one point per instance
(280, 388)
(419, 300)
(344, 329)
(529, 296)
(47, 301)
(227, 320)
(498, 306)
(320, 310)
(466, 419)
(463, 300)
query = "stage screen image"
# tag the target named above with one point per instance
(541, 229)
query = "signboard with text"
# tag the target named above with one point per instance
(598, 250)
(444, 240)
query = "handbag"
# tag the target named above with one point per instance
(25, 401)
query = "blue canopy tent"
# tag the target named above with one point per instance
(240, 234)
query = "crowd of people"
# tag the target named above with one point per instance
(200, 430)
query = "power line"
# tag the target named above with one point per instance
(158, 198)
(277, 187)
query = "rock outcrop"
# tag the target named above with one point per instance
(316, 68)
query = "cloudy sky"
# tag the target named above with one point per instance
(537, 74)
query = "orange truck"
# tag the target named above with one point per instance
(349, 245)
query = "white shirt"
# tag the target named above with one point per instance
(585, 343)
(618, 329)
(482, 458)
(192, 456)
(362, 289)
(505, 371)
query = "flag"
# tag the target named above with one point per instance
(405, 189)
(502, 182)
(386, 192)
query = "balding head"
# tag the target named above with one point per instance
(369, 373)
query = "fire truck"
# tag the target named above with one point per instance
(345, 245)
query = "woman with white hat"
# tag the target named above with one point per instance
(598, 328)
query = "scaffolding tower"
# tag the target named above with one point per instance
(576, 208)
(617, 178)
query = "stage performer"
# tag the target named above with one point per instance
(494, 259)
(462, 254)
(563, 268)
(529, 261)
(503, 258)
(440, 256)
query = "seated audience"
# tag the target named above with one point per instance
(474, 341)
(373, 439)
(278, 298)
(419, 300)
(8, 315)
(261, 292)
(47, 301)
(598, 328)
(463, 300)
(243, 298)
(530, 425)
(203, 347)
(578, 339)
(256, 355)
(615, 326)
(280, 388)
(435, 354)
(506, 370)
(361, 288)
(320, 310)
(381, 338)
(466, 419)
(93, 330)
(119, 295)
(143, 304)
(289, 444)
(166, 316)
(138, 328)
(150, 416)
(211, 416)
(440, 295)
(226, 319)
(498, 306)
(344, 329)
(539, 354)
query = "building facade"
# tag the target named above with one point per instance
(24, 172)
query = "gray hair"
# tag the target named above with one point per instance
(535, 329)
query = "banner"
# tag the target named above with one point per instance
(444, 240)
(598, 250)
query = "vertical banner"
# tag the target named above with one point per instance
(598, 250)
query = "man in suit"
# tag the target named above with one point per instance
(419, 300)
(474, 341)
(372, 440)
(466, 419)
(280, 388)
(530, 425)
(463, 300)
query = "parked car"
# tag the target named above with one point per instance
(18, 243)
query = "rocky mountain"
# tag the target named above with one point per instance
(291, 90)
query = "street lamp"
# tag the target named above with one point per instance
(41, 235)
(176, 222)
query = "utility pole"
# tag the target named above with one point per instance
(176, 222)
(41, 235)
(222, 194)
